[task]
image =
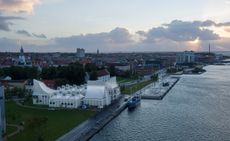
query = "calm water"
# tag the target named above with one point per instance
(197, 108)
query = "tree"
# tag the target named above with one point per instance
(74, 73)
(2, 72)
(90, 67)
(112, 70)
(21, 73)
(154, 77)
(49, 73)
(93, 75)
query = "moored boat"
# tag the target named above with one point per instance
(134, 102)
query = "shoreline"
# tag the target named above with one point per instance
(86, 130)
(91, 127)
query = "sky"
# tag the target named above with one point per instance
(114, 25)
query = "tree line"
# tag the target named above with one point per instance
(20, 73)
(74, 73)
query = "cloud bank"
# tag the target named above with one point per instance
(174, 36)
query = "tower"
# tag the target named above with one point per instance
(21, 58)
(98, 52)
(209, 48)
(80, 53)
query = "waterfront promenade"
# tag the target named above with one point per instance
(90, 127)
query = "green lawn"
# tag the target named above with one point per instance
(134, 88)
(58, 122)
(123, 80)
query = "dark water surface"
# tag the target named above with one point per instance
(196, 109)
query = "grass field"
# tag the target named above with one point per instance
(123, 80)
(136, 87)
(10, 129)
(57, 123)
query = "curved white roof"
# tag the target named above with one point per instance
(40, 88)
(95, 92)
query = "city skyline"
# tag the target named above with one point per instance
(114, 26)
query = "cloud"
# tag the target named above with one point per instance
(117, 38)
(182, 31)
(23, 32)
(223, 24)
(174, 36)
(26, 33)
(18, 5)
(43, 36)
(227, 29)
(6, 22)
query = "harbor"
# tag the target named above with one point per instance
(89, 128)
(195, 100)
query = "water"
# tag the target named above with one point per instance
(197, 108)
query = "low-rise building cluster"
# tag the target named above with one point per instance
(97, 93)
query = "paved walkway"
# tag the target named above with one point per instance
(19, 129)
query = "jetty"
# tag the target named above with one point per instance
(158, 90)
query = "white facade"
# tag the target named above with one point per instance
(65, 96)
(96, 93)
(80, 53)
(100, 94)
(66, 101)
(41, 93)
(104, 78)
(185, 57)
(2, 113)
(123, 68)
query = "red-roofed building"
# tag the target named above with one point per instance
(103, 75)
(49, 83)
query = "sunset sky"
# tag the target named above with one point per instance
(114, 25)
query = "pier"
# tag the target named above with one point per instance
(156, 91)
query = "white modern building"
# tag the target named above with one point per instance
(96, 93)
(100, 93)
(123, 67)
(2, 113)
(65, 96)
(185, 57)
(80, 53)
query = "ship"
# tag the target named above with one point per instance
(134, 102)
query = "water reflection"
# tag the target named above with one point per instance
(197, 108)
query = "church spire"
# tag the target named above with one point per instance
(21, 51)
